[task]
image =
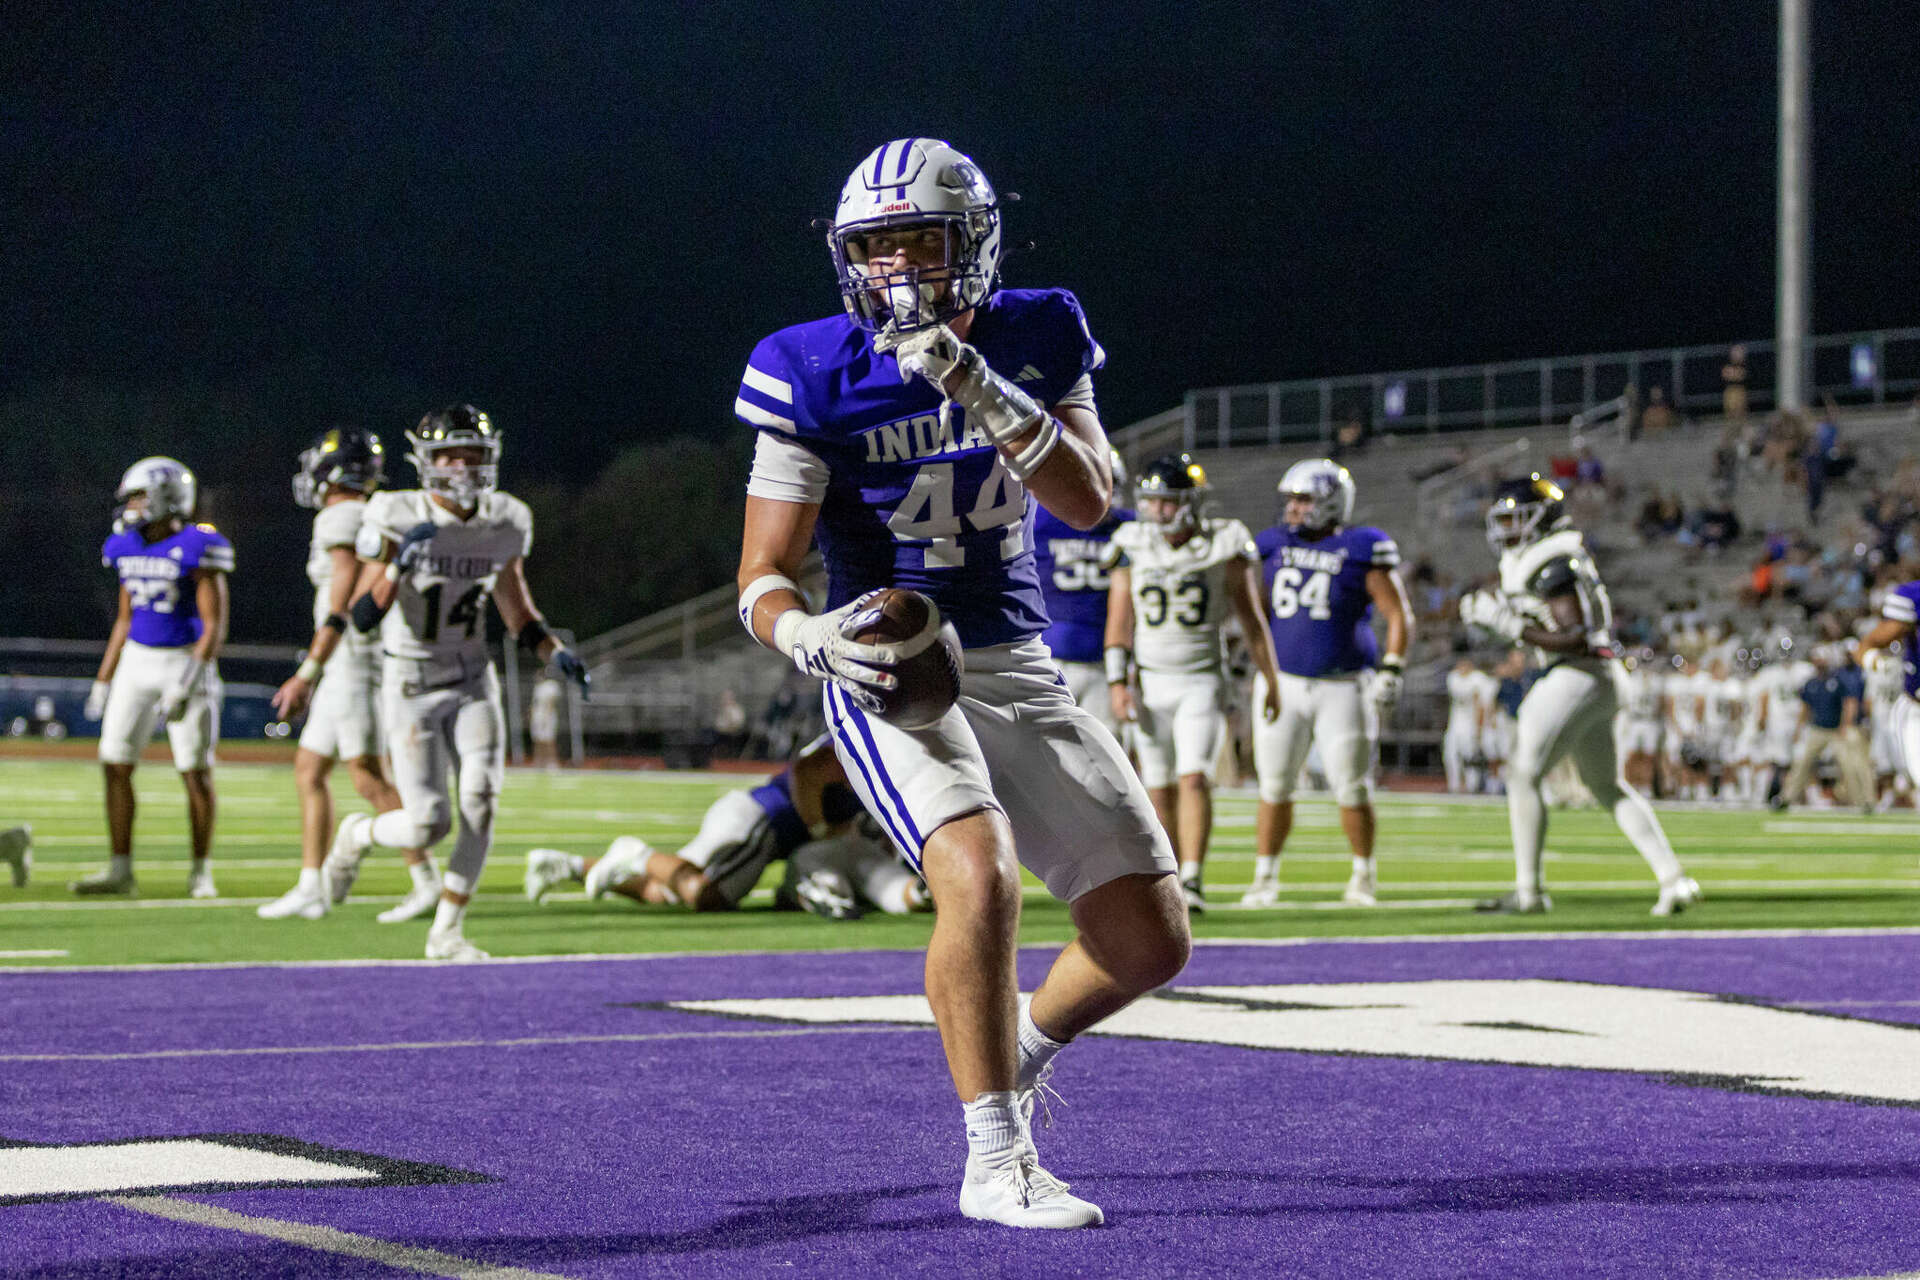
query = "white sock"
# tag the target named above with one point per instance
(1036, 1049)
(120, 865)
(993, 1124)
(1189, 872)
(424, 875)
(1266, 869)
(1363, 867)
(576, 866)
(309, 880)
(447, 917)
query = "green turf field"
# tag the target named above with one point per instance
(1808, 869)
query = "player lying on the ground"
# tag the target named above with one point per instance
(806, 815)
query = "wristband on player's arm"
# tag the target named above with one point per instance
(366, 614)
(335, 622)
(532, 634)
(760, 586)
(1119, 657)
(1393, 662)
(308, 670)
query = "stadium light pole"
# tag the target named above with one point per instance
(1795, 215)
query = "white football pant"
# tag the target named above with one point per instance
(1325, 713)
(429, 731)
(144, 675)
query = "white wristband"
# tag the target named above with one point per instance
(1028, 460)
(760, 586)
(783, 629)
(308, 670)
(1117, 656)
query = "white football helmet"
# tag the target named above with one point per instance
(916, 182)
(1328, 484)
(458, 426)
(170, 491)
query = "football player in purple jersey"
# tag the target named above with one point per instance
(159, 664)
(1889, 648)
(911, 436)
(1074, 573)
(1324, 579)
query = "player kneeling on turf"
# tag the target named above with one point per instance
(837, 861)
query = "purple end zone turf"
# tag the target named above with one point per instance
(839, 1149)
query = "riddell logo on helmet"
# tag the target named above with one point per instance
(898, 206)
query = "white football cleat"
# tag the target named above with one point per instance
(1015, 1191)
(1194, 896)
(1360, 890)
(342, 865)
(624, 859)
(420, 899)
(200, 883)
(307, 904)
(1262, 893)
(103, 882)
(547, 870)
(1677, 897)
(16, 850)
(451, 944)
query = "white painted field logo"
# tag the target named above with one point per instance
(1686, 1036)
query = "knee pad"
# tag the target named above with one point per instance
(1276, 791)
(1352, 795)
(431, 822)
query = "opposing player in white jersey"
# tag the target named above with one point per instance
(1777, 712)
(1686, 715)
(1888, 651)
(1726, 704)
(1177, 571)
(1469, 704)
(908, 434)
(1323, 579)
(1885, 677)
(431, 558)
(160, 663)
(337, 684)
(1643, 698)
(1551, 599)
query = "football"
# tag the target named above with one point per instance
(929, 669)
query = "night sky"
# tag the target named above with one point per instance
(582, 217)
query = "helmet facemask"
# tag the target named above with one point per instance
(1513, 524)
(460, 482)
(338, 460)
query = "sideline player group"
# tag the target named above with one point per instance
(912, 437)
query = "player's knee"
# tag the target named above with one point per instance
(310, 770)
(1352, 794)
(1195, 784)
(976, 874)
(431, 820)
(1523, 770)
(1276, 790)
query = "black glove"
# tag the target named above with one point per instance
(568, 663)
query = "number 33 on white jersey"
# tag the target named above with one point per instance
(1180, 599)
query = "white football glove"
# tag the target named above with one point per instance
(173, 703)
(1385, 692)
(1002, 409)
(1491, 610)
(97, 700)
(1881, 662)
(821, 645)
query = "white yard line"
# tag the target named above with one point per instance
(419, 1046)
(326, 1239)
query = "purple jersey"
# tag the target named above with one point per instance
(912, 501)
(837, 804)
(158, 577)
(1317, 601)
(1073, 581)
(1903, 605)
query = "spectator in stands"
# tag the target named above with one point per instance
(1588, 469)
(1350, 436)
(1733, 384)
(1821, 451)
(1716, 527)
(1787, 441)
(1658, 416)
(1759, 586)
